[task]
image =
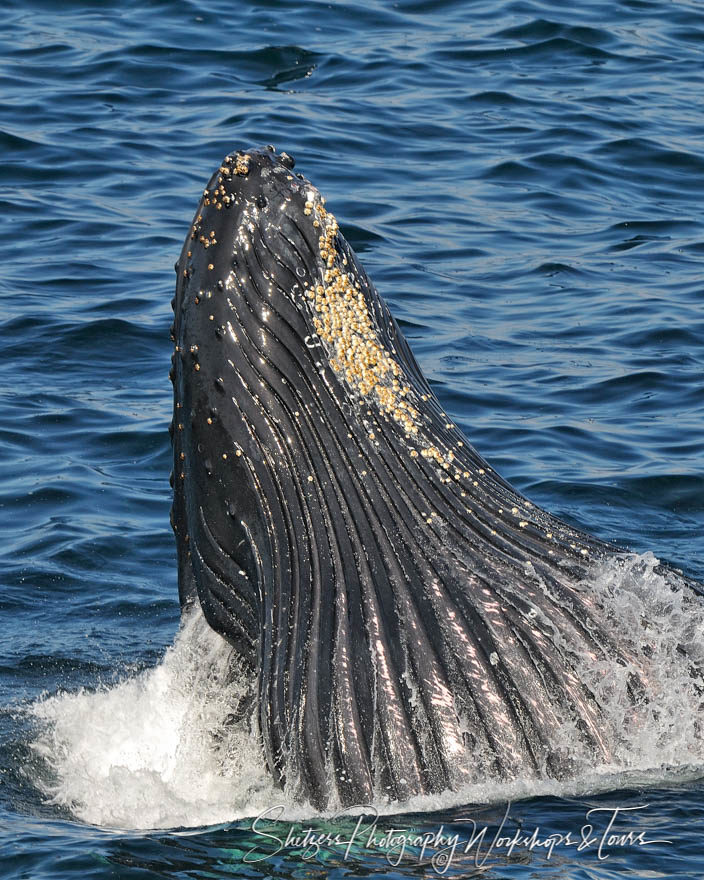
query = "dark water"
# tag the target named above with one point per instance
(523, 181)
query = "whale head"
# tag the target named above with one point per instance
(408, 621)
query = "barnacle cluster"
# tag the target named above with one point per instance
(342, 320)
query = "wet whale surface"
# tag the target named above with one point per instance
(407, 620)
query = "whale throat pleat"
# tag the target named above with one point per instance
(409, 620)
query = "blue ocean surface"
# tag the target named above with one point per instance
(524, 183)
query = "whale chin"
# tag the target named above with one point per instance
(409, 622)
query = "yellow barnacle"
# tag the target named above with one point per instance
(342, 320)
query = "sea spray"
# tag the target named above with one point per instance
(161, 749)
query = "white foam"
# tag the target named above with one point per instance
(156, 751)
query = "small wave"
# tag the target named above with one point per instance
(542, 29)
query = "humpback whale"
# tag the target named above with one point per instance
(405, 618)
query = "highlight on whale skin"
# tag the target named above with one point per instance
(403, 620)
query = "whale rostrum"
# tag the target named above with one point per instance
(408, 621)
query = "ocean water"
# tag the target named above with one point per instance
(524, 183)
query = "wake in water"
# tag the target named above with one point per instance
(162, 749)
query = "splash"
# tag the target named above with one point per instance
(158, 750)
(162, 750)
